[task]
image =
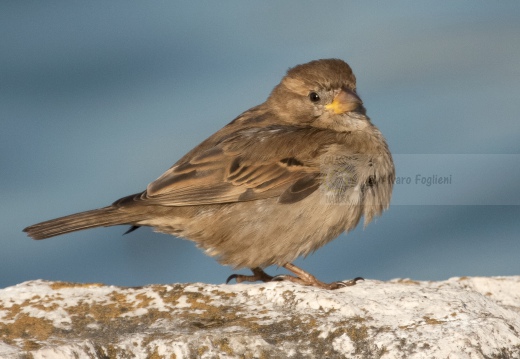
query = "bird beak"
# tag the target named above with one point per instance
(345, 101)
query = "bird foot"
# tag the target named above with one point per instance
(302, 277)
(258, 275)
(317, 283)
(305, 278)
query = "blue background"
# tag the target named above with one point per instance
(98, 99)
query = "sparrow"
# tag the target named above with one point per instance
(278, 182)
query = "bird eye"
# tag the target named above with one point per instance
(314, 97)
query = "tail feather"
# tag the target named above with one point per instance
(102, 217)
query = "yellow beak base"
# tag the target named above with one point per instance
(345, 101)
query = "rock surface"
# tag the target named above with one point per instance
(457, 318)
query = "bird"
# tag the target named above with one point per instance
(278, 182)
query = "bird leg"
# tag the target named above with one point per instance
(302, 278)
(305, 278)
(258, 274)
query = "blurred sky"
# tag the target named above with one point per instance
(97, 99)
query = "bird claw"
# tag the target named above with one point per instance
(231, 277)
(258, 275)
(350, 283)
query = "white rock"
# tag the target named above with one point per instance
(457, 318)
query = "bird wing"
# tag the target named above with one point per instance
(246, 165)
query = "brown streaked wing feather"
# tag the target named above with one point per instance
(300, 189)
(247, 165)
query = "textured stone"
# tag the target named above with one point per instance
(457, 318)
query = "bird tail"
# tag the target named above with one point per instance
(102, 217)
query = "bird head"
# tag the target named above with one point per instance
(319, 93)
